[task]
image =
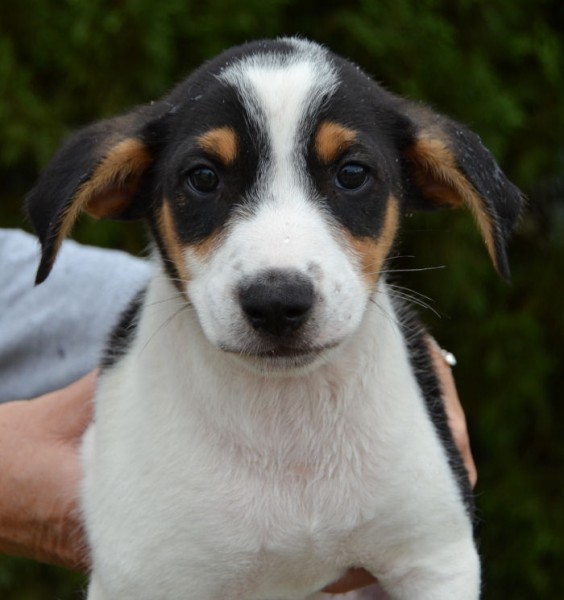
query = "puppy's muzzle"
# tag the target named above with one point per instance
(276, 302)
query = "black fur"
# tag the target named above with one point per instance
(418, 340)
(196, 216)
(502, 200)
(123, 333)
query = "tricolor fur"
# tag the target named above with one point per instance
(267, 416)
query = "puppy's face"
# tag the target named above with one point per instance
(279, 209)
(274, 180)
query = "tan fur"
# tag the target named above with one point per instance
(206, 247)
(331, 140)
(373, 252)
(439, 178)
(111, 187)
(221, 143)
(170, 240)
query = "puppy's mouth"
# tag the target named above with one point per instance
(280, 356)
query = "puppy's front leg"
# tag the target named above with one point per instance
(454, 575)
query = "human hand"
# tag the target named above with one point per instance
(454, 411)
(40, 475)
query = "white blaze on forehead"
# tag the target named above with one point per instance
(281, 92)
(282, 226)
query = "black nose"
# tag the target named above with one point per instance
(277, 302)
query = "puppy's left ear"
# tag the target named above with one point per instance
(102, 169)
(450, 167)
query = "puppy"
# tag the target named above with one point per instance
(267, 415)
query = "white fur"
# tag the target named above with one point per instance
(208, 481)
(213, 475)
(285, 233)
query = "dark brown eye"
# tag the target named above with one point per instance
(202, 180)
(352, 176)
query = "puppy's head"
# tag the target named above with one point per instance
(274, 180)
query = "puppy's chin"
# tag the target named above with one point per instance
(283, 361)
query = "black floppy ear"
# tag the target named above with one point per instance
(100, 170)
(450, 167)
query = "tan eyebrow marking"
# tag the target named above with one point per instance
(331, 139)
(221, 142)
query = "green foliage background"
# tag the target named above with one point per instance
(498, 66)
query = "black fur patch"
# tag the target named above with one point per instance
(123, 333)
(361, 105)
(200, 104)
(423, 369)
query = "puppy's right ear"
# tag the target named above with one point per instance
(101, 170)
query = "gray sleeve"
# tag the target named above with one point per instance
(52, 334)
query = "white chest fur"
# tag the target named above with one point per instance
(205, 480)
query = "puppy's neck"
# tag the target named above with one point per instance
(191, 370)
